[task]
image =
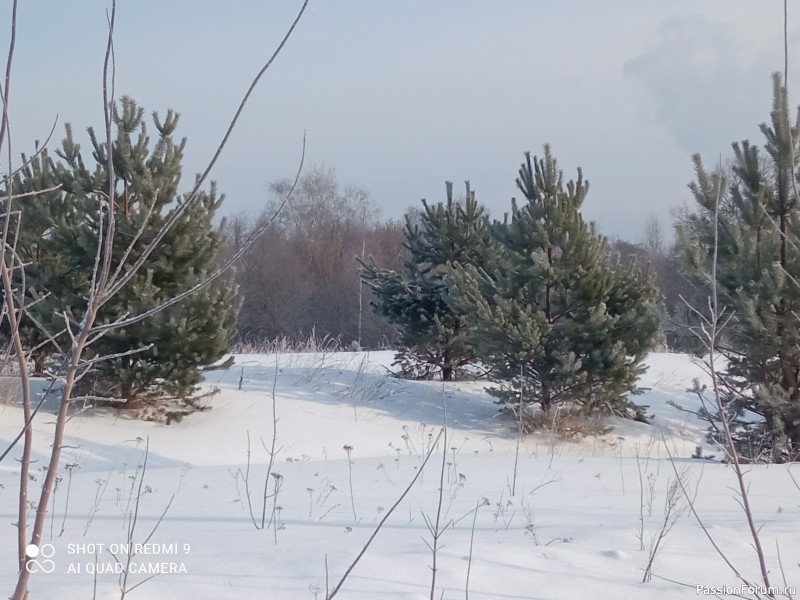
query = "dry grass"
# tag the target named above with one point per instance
(286, 345)
(565, 422)
(10, 390)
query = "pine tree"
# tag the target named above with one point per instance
(433, 332)
(555, 320)
(758, 275)
(42, 211)
(170, 347)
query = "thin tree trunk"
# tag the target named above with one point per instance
(55, 454)
(25, 460)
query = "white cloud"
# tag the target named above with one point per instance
(704, 83)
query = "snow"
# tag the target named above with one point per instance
(570, 529)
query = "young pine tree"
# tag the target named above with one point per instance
(419, 301)
(758, 277)
(555, 319)
(168, 348)
(35, 214)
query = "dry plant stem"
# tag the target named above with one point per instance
(272, 451)
(385, 518)
(327, 587)
(247, 484)
(70, 468)
(640, 534)
(519, 432)
(273, 519)
(348, 450)
(783, 572)
(124, 589)
(471, 543)
(94, 578)
(435, 529)
(700, 522)
(671, 513)
(794, 481)
(133, 520)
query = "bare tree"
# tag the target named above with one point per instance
(12, 310)
(304, 276)
(106, 280)
(709, 332)
(653, 240)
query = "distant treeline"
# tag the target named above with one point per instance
(302, 277)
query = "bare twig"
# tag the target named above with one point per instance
(178, 213)
(131, 320)
(786, 586)
(481, 502)
(385, 518)
(672, 512)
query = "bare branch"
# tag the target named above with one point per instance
(219, 272)
(39, 149)
(93, 361)
(108, 107)
(178, 213)
(34, 193)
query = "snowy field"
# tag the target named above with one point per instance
(349, 440)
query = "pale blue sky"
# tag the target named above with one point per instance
(399, 96)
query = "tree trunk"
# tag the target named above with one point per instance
(546, 401)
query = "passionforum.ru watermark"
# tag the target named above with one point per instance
(741, 590)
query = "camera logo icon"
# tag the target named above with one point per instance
(39, 558)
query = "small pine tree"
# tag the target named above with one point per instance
(433, 332)
(34, 216)
(168, 348)
(555, 319)
(758, 276)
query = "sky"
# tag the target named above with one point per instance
(398, 97)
